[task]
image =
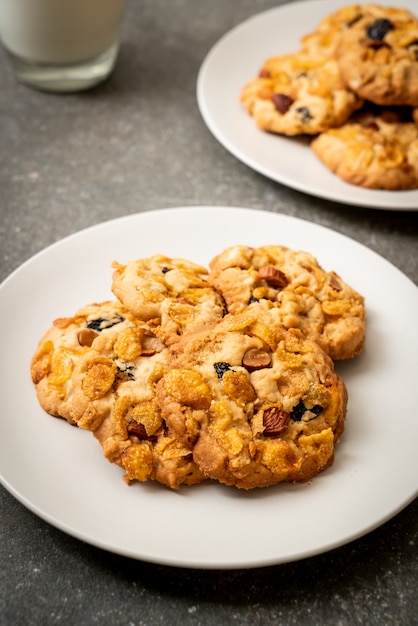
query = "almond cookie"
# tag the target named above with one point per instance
(256, 404)
(300, 293)
(114, 397)
(378, 56)
(58, 351)
(299, 94)
(374, 150)
(172, 294)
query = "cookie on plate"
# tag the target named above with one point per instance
(299, 291)
(298, 94)
(171, 293)
(256, 404)
(378, 56)
(114, 397)
(58, 351)
(324, 38)
(377, 150)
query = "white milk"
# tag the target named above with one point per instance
(58, 32)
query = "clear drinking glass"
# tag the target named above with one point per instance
(61, 45)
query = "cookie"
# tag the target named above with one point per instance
(373, 150)
(324, 38)
(378, 56)
(298, 94)
(63, 344)
(171, 293)
(114, 397)
(255, 403)
(299, 291)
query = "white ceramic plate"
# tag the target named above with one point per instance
(59, 473)
(232, 62)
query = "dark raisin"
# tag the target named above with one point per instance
(282, 102)
(221, 368)
(304, 114)
(379, 28)
(101, 323)
(298, 411)
(317, 409)
(95, 324)
(165, 269)
(125, 370)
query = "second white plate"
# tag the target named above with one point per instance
(237, 58)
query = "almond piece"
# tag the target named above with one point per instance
(273, 276)
(282, 102)
(334, 283)
(87, 336)
(256, 359)
(137, 429)
(275, 421)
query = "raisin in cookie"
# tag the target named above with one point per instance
(256, 404)
(299, 94)
(58, 351)
(114, 397)
(300, 293)
(373, 150)
(171, 293)
(378, 56)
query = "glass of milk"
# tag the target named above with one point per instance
(61, 45)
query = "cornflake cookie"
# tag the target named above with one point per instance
(299, 94)
(298, 291)
(58, 351)
(257, 404)
(377, 150)
(115, 399)
(172, 294)
(327, 33)
(378, 56)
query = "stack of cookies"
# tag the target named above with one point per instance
(195, 374)
(353, 87)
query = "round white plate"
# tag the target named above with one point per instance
(236, 59)
(59, 472)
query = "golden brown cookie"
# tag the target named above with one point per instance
(324, 38)
(378, 56)
(298, 94)
(172, 294)
(299, 291)
(58, 351)
(256, 404)
(114, 397)
(378, 150)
